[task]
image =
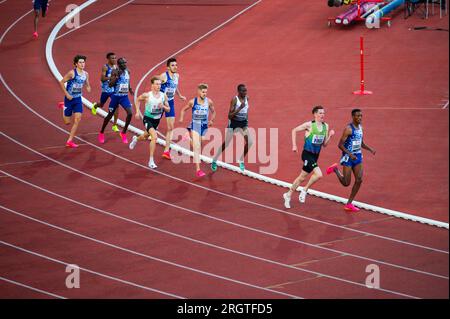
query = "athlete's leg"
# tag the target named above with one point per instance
(107, 119)
(128, 120)
(248, 142)
(300, 178)
(197, 145)
(169, 133)
(358, 172)
(228, 137)
(76, 122)
(116, 117)
(317, 174)
(36, 20)
(152, 133)
(346, 177)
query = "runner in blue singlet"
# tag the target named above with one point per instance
(120, 80)
(169, 86)
(75, 79)
(201, 105)
(107, 91)
(351, 144)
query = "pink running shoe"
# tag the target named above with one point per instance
(71, 144)
(331, 168)
(351, 208)
(166, 155)
(123, 136)
(35, 35)
(200, 173)
(101, 138)
(60, 105)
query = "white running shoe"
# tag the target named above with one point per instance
(133, 142)
(302, 196)
(287, 200)
(152, 164)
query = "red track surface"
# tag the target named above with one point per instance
(287, 56)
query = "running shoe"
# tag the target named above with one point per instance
(94, 109)
(166, 155)
(242, 166)
(60, 105)
(200, 173)
(152, 164)
(302, 196)
(133, 143)
(287, 200)
(123, 136)
(115, 128)
(71, 144)
(101, 138)
(331, 168)
(351, 208)
(214, 166)
(35, 35)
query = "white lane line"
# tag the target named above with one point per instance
(91, 271)
(95, 19)
(31, 288)
(23, 162)
(167, 262)
(101, 211)
(216, 218)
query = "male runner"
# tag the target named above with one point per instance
(238, 123)
(201, 105)
(169, 86)
(39, 6)
(351, 143)
(316, 136)
(120, 80)
(73, 92)
(155, 103)
(107, 91)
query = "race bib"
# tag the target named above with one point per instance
(318, 139)
(356, 145)
(199, 116)
(76, 87)
(170, 92)
(123, 88)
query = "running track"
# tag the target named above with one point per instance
(142, 234)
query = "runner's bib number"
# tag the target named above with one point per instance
(356, 145)
(318, 139)
(76, 87)
(123, 88)
(200, 116)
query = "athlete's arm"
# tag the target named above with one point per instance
(367, 147)
(347, 132)
(163, 77)
(137, 104)
(182, 97)
(328, 137)
(113, 78)
(213, 112)
(103, 76)
(166, 105)
(69, 76)
(184, 109)
(302, 127)
(88, 85)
